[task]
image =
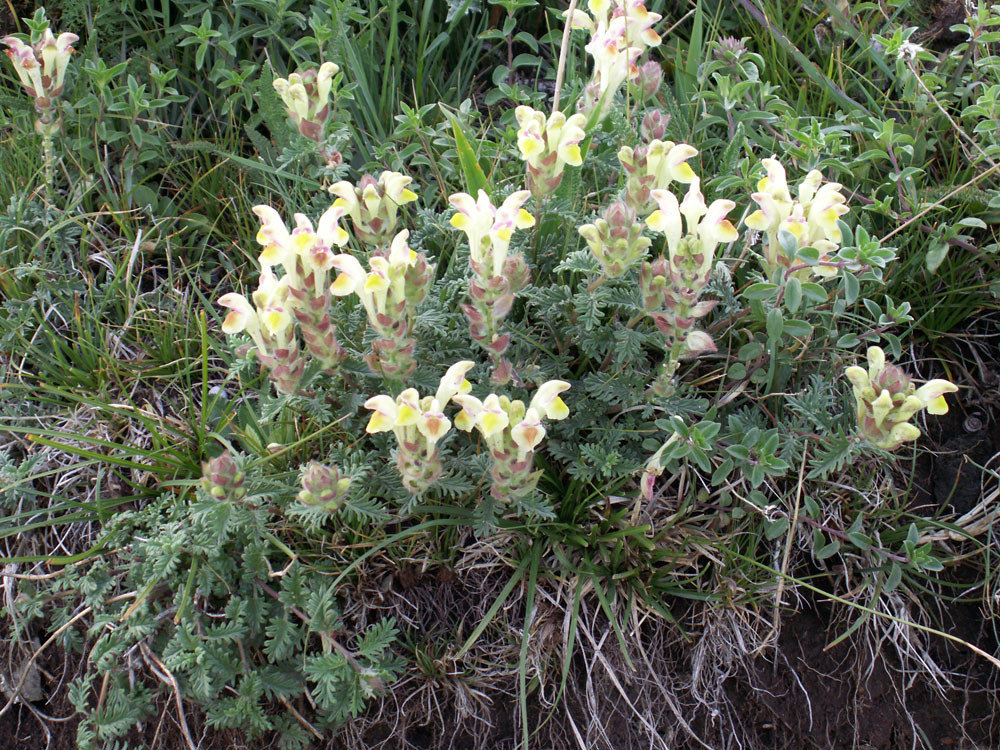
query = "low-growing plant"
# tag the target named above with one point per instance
(647, 341)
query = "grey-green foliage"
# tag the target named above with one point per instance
(226, 613)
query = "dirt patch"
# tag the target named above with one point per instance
(804, 696)
(47, 724)
(944, 15)
(11, 22)
(963, 448)
(839, 699)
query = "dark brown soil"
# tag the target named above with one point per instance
(948, 478)
(945, 14)
(11, 23)
(23, 729)
(840, 700)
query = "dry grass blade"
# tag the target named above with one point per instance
(163, 673)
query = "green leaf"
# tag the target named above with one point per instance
(750, 350)
(775, 324)
(793, 294)
(813, 292)
(931, 563)
(894, 577)
(935, 256)
(797, 328)
(282, 638)
(811, 507)
(828, 550)
(475, 178)
(852, 287)
(863, 541)
(722, 472)
(760, 291)
(776, 528)
(738, 451)
(789, 243)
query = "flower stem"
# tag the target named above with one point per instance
(48, 157)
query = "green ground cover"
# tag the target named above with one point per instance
(499, 374)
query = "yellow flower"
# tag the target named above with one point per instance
(468, 417)
(384, 416)
(527, 434)
(306, 94)
(708, 224)
(488, 228)
(539, 138)
(453, 382)
(547, 401)
(241, 315)
(617, 38)
(408, 407)
(666, 161)
(411, 416)
(493, 419)
(44, 62)
(373, 205)
(374, 287)
(811, 218)
(433, 424)
(886, 399)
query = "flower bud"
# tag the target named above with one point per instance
(654, 125)
(323, 486)
(729, 48)
(698, 342)
(616, 238)
(620, 217)
(647, 80)
(222, 478)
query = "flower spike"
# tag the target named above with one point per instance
(886, 400)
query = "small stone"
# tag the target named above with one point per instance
(972, 423)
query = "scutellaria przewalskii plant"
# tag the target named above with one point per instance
(646, 332)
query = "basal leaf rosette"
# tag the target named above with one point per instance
(811, 218)
(419, 424)
(886, 400)
(512, 432)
